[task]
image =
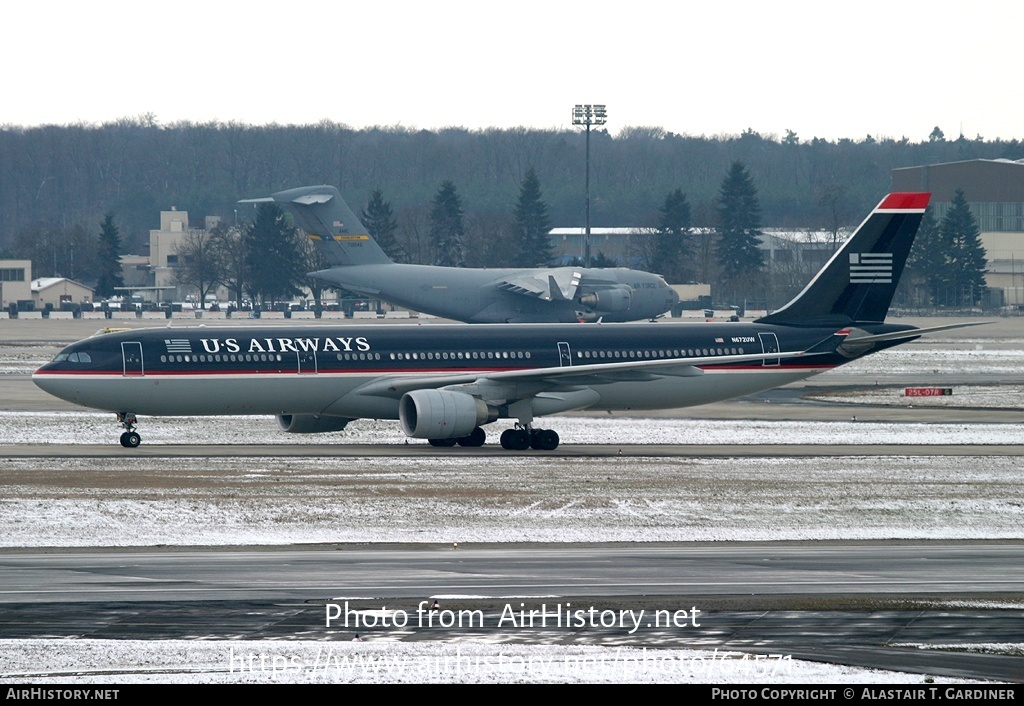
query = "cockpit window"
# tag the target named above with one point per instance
(76, 357)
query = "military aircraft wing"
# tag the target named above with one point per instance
(554, 284)
(529, 285)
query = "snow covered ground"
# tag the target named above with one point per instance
(278, 500)
(102, 428)
(48, 662)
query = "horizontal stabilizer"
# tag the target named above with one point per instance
(912, 333)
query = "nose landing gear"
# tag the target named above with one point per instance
(130, 439)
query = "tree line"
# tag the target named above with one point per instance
(71, 175)
(454, 196)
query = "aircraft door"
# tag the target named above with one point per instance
(131, 354)
(564, 355)
(769, 344)
(307, 362)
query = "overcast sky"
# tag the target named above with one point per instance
(889, 69)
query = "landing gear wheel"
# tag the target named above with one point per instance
(442, 442)
(515, 439)
(476, 438)
(544, 439)
(130, 438)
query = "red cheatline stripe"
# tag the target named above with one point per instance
(901, 201)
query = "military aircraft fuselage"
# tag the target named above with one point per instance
(486, 295)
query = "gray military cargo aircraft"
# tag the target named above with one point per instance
(535, 295)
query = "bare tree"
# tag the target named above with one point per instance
(231, 253)
(313, 260)
(199, 264)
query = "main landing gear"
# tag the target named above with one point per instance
(130, 439)
(521, 437)
(477, 437)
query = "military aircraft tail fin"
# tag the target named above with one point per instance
(327, 220)
(858, 283)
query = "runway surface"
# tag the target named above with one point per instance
(872, 604)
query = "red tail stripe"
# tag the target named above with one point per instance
(905, 201)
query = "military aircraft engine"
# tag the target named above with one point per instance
(439, 414)
(310, 423)
(616, 298)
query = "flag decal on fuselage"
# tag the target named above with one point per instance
(871, 268)
(178, 345)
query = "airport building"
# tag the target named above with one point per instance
(15, 284)
(153, 277)
(788, 253)
(995, 193)
(59, 293)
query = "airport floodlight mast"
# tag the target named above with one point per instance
(588, 115)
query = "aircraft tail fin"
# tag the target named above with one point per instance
(858, 283)
(327, 220)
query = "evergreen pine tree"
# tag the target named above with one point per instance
(672, 242)
(447, 232)
(739, 217)
(532, 225)
(926, 263)
(274, 263)
(380, 222)
(109, 258)
(965, 256)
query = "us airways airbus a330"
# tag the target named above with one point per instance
(446, 383)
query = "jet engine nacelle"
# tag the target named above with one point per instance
(310, 423)
(615, 298)
(439, 414)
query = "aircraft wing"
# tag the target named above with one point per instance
(552, 284)
(570, 375)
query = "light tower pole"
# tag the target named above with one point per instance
(588, 115)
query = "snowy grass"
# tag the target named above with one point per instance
(277, 500)
(48, 662)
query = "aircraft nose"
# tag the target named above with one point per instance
(49, 383)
